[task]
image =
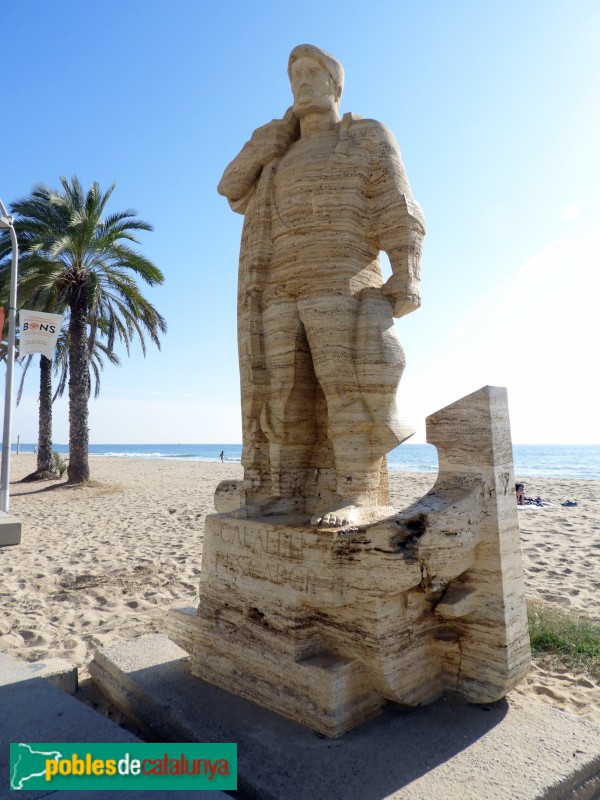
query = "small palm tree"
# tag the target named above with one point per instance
(73, 257)
(45, 466)
(98, 350)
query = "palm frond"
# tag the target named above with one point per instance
(73, 252)
(25, 363)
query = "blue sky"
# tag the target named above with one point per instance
(495, 108)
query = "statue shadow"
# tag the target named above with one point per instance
(375, 760)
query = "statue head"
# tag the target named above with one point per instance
(317, 79)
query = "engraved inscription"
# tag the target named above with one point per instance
(276, 556)
(281, 544)
(295, 576)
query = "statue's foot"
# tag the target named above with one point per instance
(246, 512)
(347, 515)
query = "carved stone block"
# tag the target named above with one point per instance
(325, 625)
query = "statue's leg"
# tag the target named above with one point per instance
(330, 324)
(288, 418)
(255, 451)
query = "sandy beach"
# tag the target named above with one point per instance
(103, 562)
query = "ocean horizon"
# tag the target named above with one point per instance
(580, 462)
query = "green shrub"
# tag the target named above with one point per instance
(567, 639)
(59, 464)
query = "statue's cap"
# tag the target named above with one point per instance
(330, 64)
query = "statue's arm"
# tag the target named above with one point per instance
(399, 225)
(266, 143)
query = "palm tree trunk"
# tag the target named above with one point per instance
(79, 470)
(44, 453)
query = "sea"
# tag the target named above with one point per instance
(581, 462)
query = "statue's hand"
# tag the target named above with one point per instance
(272, 140)
(406, 297)
(406, 304)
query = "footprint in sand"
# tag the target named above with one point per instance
(545, 690)
(555, 598)
(33, 639)
(585, 682)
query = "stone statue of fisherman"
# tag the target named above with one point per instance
(320, 361)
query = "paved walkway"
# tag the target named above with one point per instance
(32, 710)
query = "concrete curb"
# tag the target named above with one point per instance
(10, 530)
(33, 710)
(509, 749)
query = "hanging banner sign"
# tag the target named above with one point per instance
(39, 332)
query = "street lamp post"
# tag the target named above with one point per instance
(6, 223)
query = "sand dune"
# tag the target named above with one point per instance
(104, 561)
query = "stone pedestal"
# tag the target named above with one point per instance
(325, 625)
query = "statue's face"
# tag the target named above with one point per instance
(312, 87)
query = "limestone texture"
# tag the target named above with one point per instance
(317, 599)
(326, 625)
(320, 361)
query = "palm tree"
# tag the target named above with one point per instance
(72, 257)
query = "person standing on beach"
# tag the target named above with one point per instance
(222, 456)
(319, 359)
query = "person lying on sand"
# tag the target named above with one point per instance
(538, 501)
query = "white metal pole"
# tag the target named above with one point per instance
(7, 222)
